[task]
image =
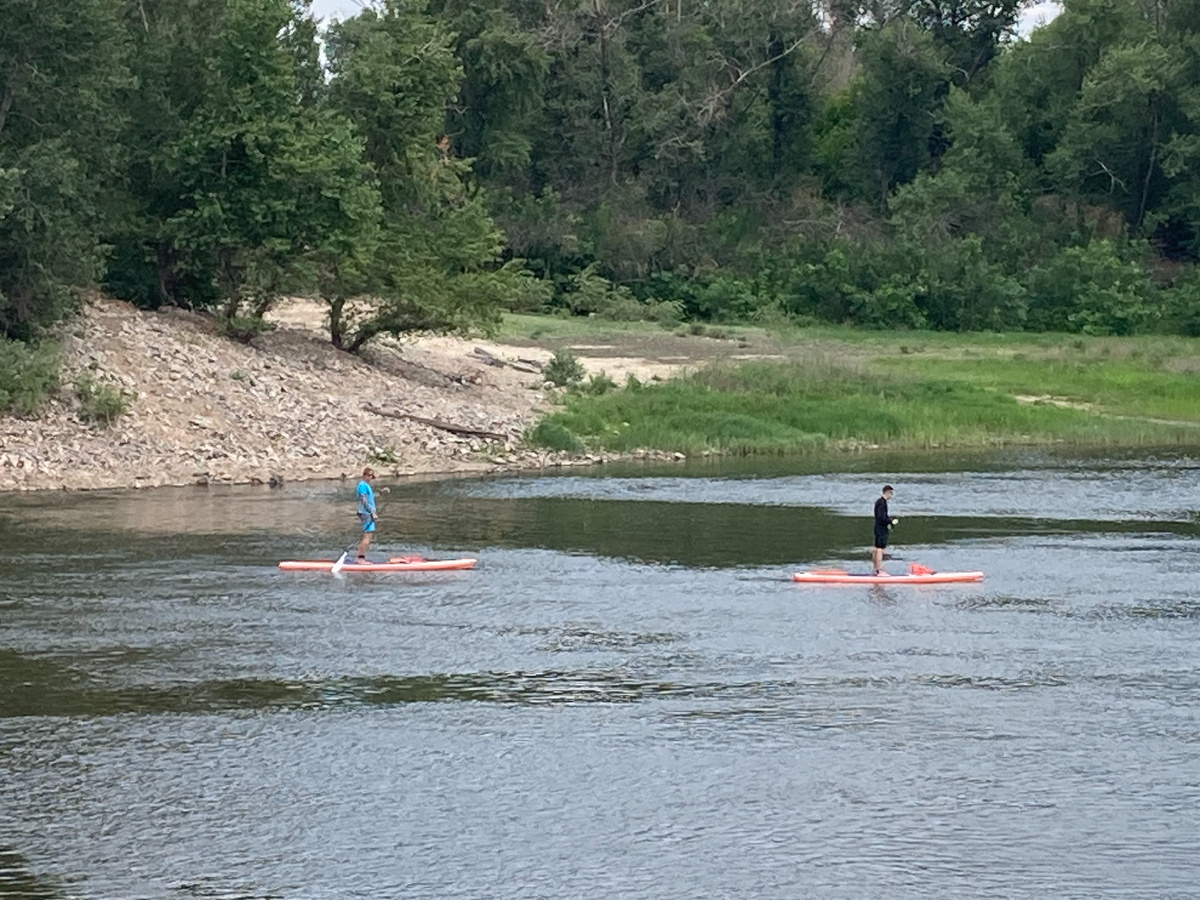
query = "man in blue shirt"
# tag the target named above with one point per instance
(366, 511)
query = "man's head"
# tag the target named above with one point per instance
(887, 492)
(368, 473)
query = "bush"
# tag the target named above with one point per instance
(101, 404)
(383, 456)
(1181, 304)
(598, 385)
(564, 369)
(27, 375)
(555, 437)
(245, 328)
(590, 294)
(1091, 290)
(891, 305)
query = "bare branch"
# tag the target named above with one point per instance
(720, 97)
(613, 24)
(1114, 180)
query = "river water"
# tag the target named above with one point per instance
(628, 698)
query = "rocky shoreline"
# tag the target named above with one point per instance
(209, 410)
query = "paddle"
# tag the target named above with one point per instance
(341, 561)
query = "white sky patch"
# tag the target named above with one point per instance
(328, 10)
(1031, 17)
(1037, 14)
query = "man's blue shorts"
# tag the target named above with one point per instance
(368, 523)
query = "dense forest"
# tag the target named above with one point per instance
(429, 163)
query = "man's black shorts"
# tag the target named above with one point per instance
(881, 536)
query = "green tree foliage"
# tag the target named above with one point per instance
(505, 69)
(1090, 289)
(897, 107)
(60, 66)
(969, 33)
(242, 169)
(892, 163)
(1112, 146)
(430, 260)
(264, 172)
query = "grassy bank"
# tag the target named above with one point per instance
(854, 389)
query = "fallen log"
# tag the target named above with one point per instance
(441, 424)
(521, 365)
(488, 358)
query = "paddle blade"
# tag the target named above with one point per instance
(337, 566)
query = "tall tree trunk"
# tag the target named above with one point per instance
(337, 332)
(606, 91)
(6, 101)
(1141, 210)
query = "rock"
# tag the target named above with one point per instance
(291, 406)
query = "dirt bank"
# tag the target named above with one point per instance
(287, 407)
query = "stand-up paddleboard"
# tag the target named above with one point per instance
(915, 575)
(395, 564)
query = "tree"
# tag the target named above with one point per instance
(430, 260)
(896, 106)
(969, 33)
(984, 189)
(1112, 148)
(501, 95)
(60, 67)
(264, 172)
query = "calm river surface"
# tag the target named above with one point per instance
(627, 699)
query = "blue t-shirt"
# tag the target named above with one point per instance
(366, 500)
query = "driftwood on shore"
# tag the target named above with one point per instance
(465, 430)
(521, 365)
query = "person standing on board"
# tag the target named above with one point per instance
(366, 511)
(883, 522)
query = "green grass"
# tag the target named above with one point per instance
(799, 407)
(28, 374)
(893, 389)
(1121, 387)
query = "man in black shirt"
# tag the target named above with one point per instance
(883, 522)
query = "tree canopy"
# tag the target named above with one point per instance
(428, 163)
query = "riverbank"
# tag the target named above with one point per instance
(852, 390)
(204, 409)
(208, 410)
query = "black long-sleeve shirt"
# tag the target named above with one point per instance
(882, 519)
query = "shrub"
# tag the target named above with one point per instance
(563, 369)
(383, 456)
(891, 305)
(1181, 304)
(598, 385)
(101, 404)
(245, 328)
(1091, 290)
(591, 294)
(27, 375)
(554, 437)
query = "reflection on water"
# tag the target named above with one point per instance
(628, 698)
(18, 881)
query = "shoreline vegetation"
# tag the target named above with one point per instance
(847, 389)
(197, 407)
